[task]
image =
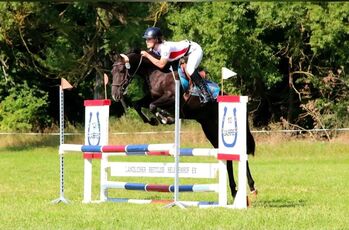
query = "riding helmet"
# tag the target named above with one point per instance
(153, 32)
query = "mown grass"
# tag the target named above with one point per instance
(302, 185)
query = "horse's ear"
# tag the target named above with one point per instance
(114, 56)
(113, 52)
(136, 51)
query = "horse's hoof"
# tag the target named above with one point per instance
(153, 121)
(152, 108)
(254, 193)
(248, 202)
(233, 193)
(170, 120)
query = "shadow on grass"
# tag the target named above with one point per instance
(280, 203)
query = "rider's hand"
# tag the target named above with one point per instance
(144, 53)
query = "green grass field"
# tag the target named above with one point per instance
(302, 185)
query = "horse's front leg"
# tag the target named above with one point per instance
(138, 105)
(163, 101)
(151, 121)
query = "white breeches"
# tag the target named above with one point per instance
(194, 57)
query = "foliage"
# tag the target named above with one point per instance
(24, 109)
(42, 42)
(291, 57)
(288, 55)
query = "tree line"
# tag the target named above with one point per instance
(292, 58)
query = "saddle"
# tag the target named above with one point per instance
(190, 89)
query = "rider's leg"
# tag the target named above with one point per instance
(194, 59)
(201, 84)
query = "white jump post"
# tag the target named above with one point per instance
(232, 141)
(177, 144)
(96, 133)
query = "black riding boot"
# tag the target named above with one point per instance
(201, 84)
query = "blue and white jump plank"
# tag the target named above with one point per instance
(161, 188)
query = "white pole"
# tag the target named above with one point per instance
(61, 152)
(240, 200)
(222, 194)
(177, 143)
(104, 178)
(87, 181)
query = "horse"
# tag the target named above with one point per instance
(161, 99)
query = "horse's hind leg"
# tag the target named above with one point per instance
(250, 180)
(210, 129)
(232, 183)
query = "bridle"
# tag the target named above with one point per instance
(124, 83)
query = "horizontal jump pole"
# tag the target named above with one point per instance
(184, 152)
(128, 148)
(138, 150)
(161, 188)
(140, 201)
(70, 148)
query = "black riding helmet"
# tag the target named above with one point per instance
(153, 32)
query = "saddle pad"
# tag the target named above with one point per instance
(195, 91)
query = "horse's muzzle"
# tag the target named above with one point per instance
(115, 98)
(117, 93)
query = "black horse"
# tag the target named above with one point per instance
(160, 102)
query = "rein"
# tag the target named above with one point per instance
(129, 78)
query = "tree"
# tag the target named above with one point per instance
(42, 42)
(290, 57)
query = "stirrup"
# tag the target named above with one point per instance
(204, 99)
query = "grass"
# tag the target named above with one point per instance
(302, 185)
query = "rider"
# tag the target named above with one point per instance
(171, 51)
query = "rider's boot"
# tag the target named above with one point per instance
(201, 84)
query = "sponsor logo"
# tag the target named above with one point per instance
(229, 131)
(94, 129)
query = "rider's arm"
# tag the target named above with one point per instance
(160, 63)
